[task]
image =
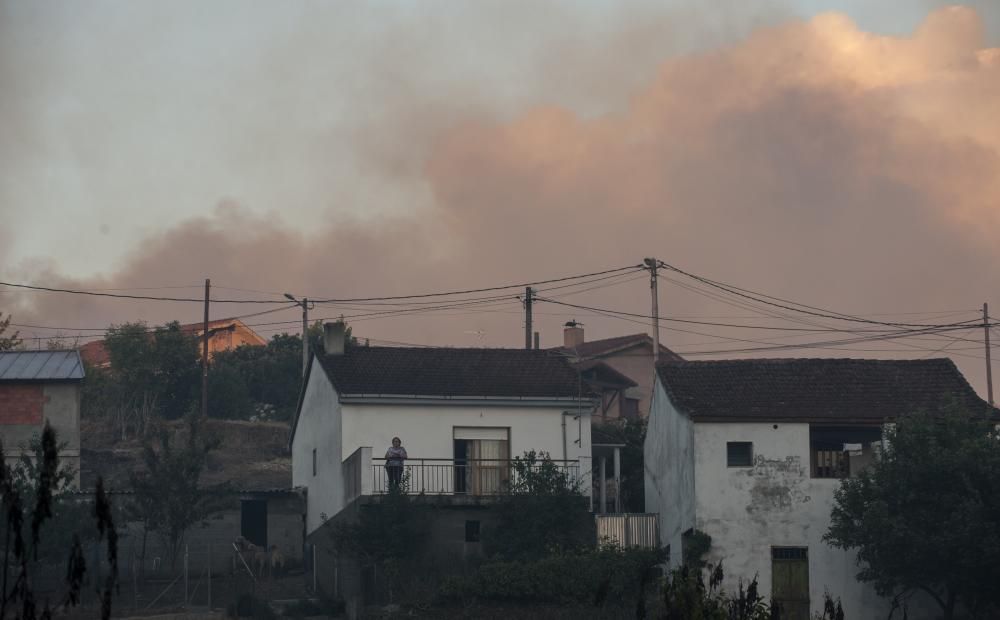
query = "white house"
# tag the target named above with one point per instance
(752, 451)
(461, 414)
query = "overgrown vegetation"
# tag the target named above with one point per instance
(11, 340)
(542, 512)
(386, 540)
(926, 516)
(30, 500)
(169, 498)
(632, 433)
(155, 373)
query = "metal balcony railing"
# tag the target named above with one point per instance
(476, 477)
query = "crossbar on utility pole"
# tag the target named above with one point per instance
(204, 355)
(652, 263)
(989, 369)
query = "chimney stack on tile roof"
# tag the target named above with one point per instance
(333, 337)
(573, 335)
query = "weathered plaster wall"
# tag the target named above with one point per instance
(319, 429)
(668, 457)
(747, 510)
(336, 431)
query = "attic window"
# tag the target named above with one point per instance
(739, 453)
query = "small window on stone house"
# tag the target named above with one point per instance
(739, 453)
(842, 451)
(314, 461)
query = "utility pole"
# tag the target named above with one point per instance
(204, 355)
(527, 316)
(989, 369)
(305, 330)
(652, 263)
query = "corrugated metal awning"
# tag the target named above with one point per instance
(40, 366)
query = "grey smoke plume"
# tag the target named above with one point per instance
(811, 160)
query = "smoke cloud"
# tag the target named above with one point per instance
(811, 160)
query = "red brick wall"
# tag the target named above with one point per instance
(21, 404)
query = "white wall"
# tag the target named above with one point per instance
(319, 428)
(747, 510)
(337, 430)
(427, 430)
(668, 459)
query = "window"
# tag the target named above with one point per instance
(472, 531)
(842, 451)
(482, 460)
(739, 454)
(314, 461)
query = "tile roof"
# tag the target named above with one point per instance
(406, 371)
(828, 389)
(40, 366)
(598, 348)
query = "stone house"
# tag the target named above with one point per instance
(752, 451)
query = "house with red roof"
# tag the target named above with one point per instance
(629, 357)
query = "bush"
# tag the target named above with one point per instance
(595, 576)
(314, 607)
(249, 606)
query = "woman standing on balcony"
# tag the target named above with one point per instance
(394, 458)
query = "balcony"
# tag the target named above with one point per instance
(367, 475)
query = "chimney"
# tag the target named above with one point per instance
(572, 335)
(333, 337)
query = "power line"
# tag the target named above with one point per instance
(819, 312)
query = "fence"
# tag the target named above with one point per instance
(629, 530)
(475, 477)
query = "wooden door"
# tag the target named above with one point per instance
(790, 581)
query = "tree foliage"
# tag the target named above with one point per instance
(686, 597)
(387, 539)
(11, 340)
(253, 380)
(542, 512)
(169, 498)
(926, 516)
(30, 495)
(632, 433)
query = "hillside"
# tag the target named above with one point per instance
(252, 456)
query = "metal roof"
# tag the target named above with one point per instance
(40, 366)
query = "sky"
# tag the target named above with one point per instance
(842, 154)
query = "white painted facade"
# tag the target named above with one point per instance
(336, 426)
(748, 510)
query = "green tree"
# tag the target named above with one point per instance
(31, 515)
(632, 433)
(169, 498)
(160, 366)
(542, 512)
(926, 516)
(10, 341)
(387, 538)
(257, 378)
